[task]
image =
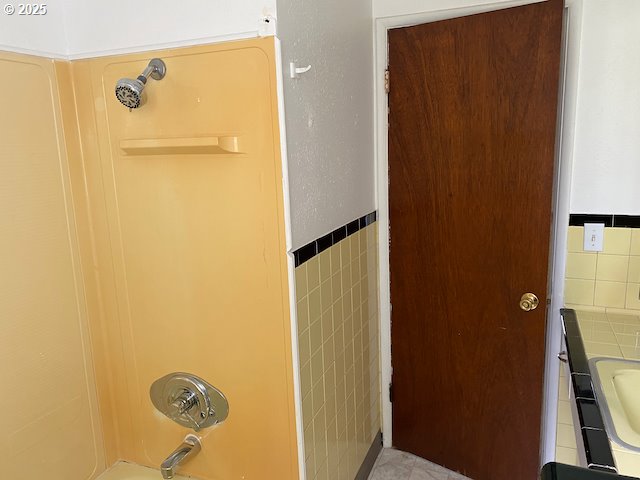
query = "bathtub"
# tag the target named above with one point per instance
(130, 471)
(617, 386)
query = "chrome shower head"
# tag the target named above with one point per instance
(129, 91)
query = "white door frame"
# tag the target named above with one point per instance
(560, 225)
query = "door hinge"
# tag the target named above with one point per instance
(391, 392)
(386, 81)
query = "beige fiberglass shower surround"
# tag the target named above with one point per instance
(140, 243)
(49, 405)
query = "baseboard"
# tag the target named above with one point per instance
(370, 459)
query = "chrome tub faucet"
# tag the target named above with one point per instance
(189, 448)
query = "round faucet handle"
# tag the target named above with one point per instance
(184, 402)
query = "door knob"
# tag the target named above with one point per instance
(529, 302)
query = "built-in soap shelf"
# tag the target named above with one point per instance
(214, 145)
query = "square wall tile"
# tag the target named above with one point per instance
(563, 389)
(610, 294)
(355, 269)
(371, 236)
(345, 252)
(566, 436)
(304, 347)
(566, 455)
(575, 240)
(308, 442)
(632, 300)
(315, 335)
(302, 309)
(317, 374)
(326, 296)
(606, 349)
(301, 281)
(336, 287)
(612, 267)
(305, 384)
(634, 270)
(320, 435)
(635, 241)
(346, 278)
(354, 245)
(327, 325)
(363, 266)
(324, 260)
(339, 307)
(617, 241)
(323, 470)
(622, 317)
(315, 305)
(363, 240)
(626, 328)
(313, 272)
(590, 335)
(629, 340)
(335, 259)
(579, 292)
(307, 410)
(631, 353)
(581, 265)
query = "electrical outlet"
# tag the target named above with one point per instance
(593, 237)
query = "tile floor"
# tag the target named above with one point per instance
(398, 465)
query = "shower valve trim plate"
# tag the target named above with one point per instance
(189, 400)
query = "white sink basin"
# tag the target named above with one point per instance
(617, 385)
(627, 386)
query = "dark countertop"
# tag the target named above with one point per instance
(594, 436)
(596, 443)
(559, 471)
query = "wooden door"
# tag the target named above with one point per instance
(472, 130)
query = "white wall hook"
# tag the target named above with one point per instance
(296, 71)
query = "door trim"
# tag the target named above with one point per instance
(562, 184)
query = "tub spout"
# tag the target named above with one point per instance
(189, 448)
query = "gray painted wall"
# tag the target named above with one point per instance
(328, 113)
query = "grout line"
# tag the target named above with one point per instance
(593, 301)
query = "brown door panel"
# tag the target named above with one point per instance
(473, 104)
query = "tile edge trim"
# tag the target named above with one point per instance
(598, 455)
(609, 220)
(319, 245)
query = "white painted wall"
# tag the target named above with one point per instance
(606, 169)
(396, 8)
(42, 35)
(98, 28)
(329, 113)
(82, 29)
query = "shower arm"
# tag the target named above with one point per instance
(156, 70)
(145, 74)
